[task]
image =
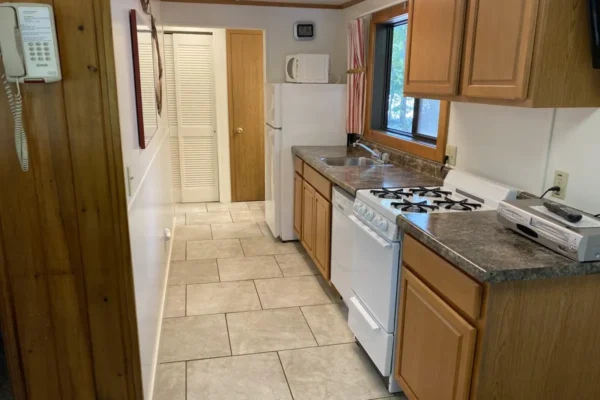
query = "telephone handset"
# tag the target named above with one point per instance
(29, 52)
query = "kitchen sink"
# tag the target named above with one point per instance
(350, 162)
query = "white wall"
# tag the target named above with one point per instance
(277, 22)
(150, 200)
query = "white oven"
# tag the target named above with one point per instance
(374, 281)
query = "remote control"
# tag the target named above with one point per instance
(567, 213)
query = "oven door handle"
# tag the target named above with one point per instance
(382, 242)
(365, 314)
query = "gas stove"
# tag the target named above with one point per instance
(461, 192)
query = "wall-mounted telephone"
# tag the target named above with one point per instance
(29, 52)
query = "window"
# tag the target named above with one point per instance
(397, 121)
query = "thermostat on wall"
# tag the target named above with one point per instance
(304, 30)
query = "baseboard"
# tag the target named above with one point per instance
(162, 309)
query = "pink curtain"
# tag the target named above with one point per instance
(357, 76)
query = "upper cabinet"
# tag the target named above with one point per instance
(435, 37)
(528, 53)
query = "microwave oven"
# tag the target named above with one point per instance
(307, 68)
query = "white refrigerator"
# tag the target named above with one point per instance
(296, 115)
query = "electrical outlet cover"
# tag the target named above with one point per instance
(451, 153)
(561, 179)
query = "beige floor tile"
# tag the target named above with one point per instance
(266, 246)
(243, 268)
(174, 302)
(193, 271)
(329, 323)
(180, 220)
(183, 208)
(296, 264)
(251, 377)
(208, 218)
(200, 232)
(213, 298)
(266, 231)
(290, 292)
(256, 205)
(221, 248)
(236, 231)
(212, 207)
(178, 251)
(329, 289)
(248, 216)
(169, 383)
(261, 331)
(193, 338)
(340, 372)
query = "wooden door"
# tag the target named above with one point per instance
(246, 117)
(322, 221)
(192, 59)
(308, 215)
(298, 205)
(434, 45)
(499, 48)
(434, 356)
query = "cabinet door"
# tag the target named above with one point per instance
(322, 221)
(308, 210)
(499, 48)
(434, 44)
(434, 357)
(298, 205)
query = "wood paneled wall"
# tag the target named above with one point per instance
(66, 284)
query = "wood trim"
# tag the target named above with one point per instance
(270, 3)
(424, 150)
(298, 164)
(137, 76)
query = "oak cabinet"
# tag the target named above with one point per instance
(498, 66)
(434, 44)
(308, 225)
(528, 53)
(435, 345)
(322, 224)
(298, 205)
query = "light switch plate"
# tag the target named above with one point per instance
(561, 179)
(451, 153)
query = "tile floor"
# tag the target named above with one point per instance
(249, 318)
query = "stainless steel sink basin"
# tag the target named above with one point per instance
(350, 161)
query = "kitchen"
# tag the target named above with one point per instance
(460, 306)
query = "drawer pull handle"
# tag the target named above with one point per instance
(374, 325)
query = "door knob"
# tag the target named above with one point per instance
(239, 130)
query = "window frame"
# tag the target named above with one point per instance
(419, 145)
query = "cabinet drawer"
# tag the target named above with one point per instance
(460, 290)
(298, 165)
(317, 181)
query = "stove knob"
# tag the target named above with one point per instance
(383, 225)
(356, 206)
(363, 210)
(369, 215)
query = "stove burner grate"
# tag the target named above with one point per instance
(461, 205)
(421, 207)
(391, 194)
(430, 192)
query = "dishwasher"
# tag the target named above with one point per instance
(341, 242)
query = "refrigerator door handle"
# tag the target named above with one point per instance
(272, 127)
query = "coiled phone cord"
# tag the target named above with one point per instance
(16, 107)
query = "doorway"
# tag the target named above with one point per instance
(245, 65)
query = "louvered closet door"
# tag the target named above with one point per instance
(192, 78)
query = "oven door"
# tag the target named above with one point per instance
(374, 277)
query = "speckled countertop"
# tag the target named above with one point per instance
(352, 179)
(486, 250)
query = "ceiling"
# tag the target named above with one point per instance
(335, 4)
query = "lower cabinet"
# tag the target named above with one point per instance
(436, 345)
(308, 211)
(312, 218)
(322, 223)
(298, 205)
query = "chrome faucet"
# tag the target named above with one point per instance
(379, 156)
